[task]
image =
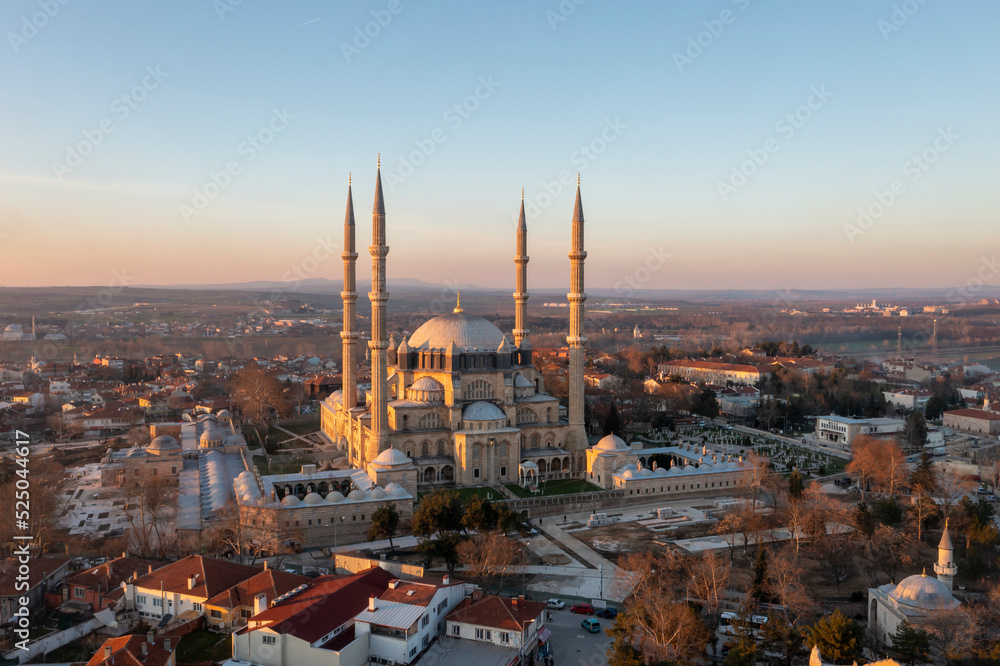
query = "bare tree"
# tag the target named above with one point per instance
(785, 577)
(865, 463)
(149, 503)
(256, 392)
(951, 488)
(244, 533)
(710, 576)
(888, 550)
(490, 557)
(892, 471)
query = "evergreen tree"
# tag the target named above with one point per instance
(911, 646)
(795, 484)
(923, 473)
(781, 641)
(613, 424)
(760, 588)
(840, 639)
(914, 432)
(864, 521)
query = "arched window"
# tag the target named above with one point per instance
(440, 447)
(503, 449)
(535, 441)
(479, 389)
(526, 415)
(424, 446)
(430, 421)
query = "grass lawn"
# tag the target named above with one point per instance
(466, 493)
(303, 428)
(276, 467)
(202, 645)
(556, 487)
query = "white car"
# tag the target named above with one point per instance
(555, 604)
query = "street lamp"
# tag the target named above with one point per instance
(600, 569)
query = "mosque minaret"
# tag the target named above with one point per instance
(349, 336)
(576, 339)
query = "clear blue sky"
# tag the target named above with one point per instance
(611, 67)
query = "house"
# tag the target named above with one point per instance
(137, 650)
(43, 573)
(914, 399)
(514, 625)
(101, 586)
(368, 617)
(712, 372)
(233, 607)
(973, 421)
(184, 585)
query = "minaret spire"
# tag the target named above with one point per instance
(379, 425)
(521, 285)
(577, 436)
(349, 335)
(945, 566)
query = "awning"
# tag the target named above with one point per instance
(544, 633)
(107, 617)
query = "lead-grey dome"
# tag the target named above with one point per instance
(483, 411)
(924, 592)
(467, 331)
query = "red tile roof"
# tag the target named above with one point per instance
(270, 582)
(328, 603)
(127, 651)
(41, 568)
(974, 414)
(110, 575)
(497, 613)
(212, 576)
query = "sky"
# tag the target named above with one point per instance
(720, 144)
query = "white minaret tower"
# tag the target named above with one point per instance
(379, 437)
(521, 295)
(945, 566)
(577, 437)
(349, 336)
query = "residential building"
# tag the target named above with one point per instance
(713, 372)
(233, 607)
(101, 586)
(973, 421)
(137, 650)
(43, 574)
(514, 625)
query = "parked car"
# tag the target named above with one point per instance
(607, 613)
(585, 609)
(555, 604)
(591, 625)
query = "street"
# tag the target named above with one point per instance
(572, 645)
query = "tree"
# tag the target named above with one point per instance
(911, 646)
(148, 502)
(914, 436)
(782, 641)
(613, 422)
(922, 509)
(795, 484)
(623, 652)
(710, 576)
(785, 579)
(838, 638)
(244, 534)
(923, 474)
(760, 587)
(890, 550)
(892, 470)
(864, 521)
(490, 557)
(705, 403)
(256, 392)
(385, 522)
(438, 519)
(864, 465)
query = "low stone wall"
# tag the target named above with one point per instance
(602, 501)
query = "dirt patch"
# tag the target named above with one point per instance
(617, 538)
(556, 559)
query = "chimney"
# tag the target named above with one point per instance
(150, 569)
(371, 604)
(265, 565)
(124, 553)
(135, 574)
(259, 603)
(393, 584)
(145, 649)
(107, 652)
(166, 644)
(191, 580)
(446, 580)
(513, 602)
(149, 636)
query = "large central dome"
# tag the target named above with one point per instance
(925, 593)
(468, 332)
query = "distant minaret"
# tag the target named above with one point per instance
(32, 325)
(379, 438)
(945, 566)
(577, 437)
(521, 295)
(349, 336)
(899, 342)
(934, 346)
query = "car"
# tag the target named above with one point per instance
(591, 625)
(555, 604)
(312, 574)
(584, 609)
(607, 613)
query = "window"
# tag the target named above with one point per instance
(503, 471)
(269, 640)
(197, 607)
(479, 634)
(426, 620)
(79, 592)
(425, 641)
(140, 599)
(246, 613)
(216, 614)
(475, 473)
(157, 603)
(504, 637)
(456, 630)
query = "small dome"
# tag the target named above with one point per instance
(335, 496)
(924, 592)
(628, 474)
(290, 501)
(427, 384)
(483, 411)
(520, 381)
(398, 491)
(313, 498)
(225, 414)
(135, 452)
(391, 458)
(163, 443)
(611, 443)
(377, 493)
(357, 495)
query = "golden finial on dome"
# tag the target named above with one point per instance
(378, 164)
(458, 303)
(578, 179)
(924, 574)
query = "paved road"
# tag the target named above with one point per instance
(571, 645)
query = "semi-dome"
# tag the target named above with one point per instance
(467, 331)
(520, 381)
(483, 411)
(611, 443)
(163, 444)
(313, 498)
(427, 384)
(924, 592)
(391, 458)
